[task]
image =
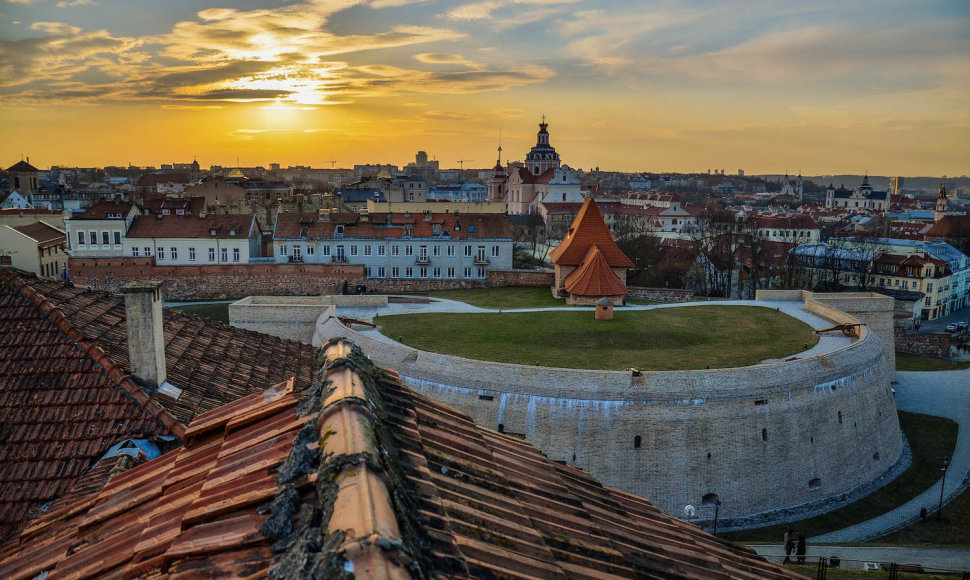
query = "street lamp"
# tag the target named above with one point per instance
(946, 464)
(717, 509)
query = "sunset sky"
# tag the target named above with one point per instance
(827, 86)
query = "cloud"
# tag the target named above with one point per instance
(74, 3)
(483, 10)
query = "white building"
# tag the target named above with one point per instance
(99, 231)
(188, 240)
(401, 245)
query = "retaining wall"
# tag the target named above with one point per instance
(292, 317)
(234, 281)
(923, 344)
(764, 438)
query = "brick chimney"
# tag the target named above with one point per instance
(146, 341)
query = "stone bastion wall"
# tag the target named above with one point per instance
(769, 441)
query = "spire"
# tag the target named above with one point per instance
(942, 190)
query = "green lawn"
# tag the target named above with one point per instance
(503, 297)
(214, 310)
(951, 529)
(665, 339)
(930, 439)
(912, 362)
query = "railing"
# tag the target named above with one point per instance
(823, 564)
(338, 258)
(423, 260)
(481, 260)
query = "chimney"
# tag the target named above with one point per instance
(146, 341)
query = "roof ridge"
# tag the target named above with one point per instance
(144, 400)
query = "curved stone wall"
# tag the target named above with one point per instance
(760, 438)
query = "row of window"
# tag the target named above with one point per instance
(395, 250)
(93, 237)
(173, 254)
(422, 272)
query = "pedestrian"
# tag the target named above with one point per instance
(800, 549)
(789, 545)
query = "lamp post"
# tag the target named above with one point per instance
(946, 464)
(717, 509)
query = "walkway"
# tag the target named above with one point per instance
(940, 393)
(854, 557)
(826, 344)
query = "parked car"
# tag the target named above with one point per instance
(952, 327)
(961, 326)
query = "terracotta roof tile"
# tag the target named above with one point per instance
(457, 226)
(211, 226)
(588, 229)
(594, 277)
(103, 209)
(45, 235)
(399, 485)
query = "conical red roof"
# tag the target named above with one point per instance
(588, 229)
(594, 277)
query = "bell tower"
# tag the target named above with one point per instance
(940, 212)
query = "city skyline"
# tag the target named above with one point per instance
(822, 89)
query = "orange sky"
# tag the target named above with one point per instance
(658, 86)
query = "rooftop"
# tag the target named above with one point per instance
(362, 476)
(588, 229)
(44, 234)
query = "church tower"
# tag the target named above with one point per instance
(940, 212)
(498, 179)
(543, 156)
(800, 188)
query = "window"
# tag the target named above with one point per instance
(175, 253)
(80, 238)
(468, 273)
(423, 272)
(148, 251)
(283, 250)
(929, 287)
(495, 251)
(451, 251)
(395, 272)
(191, 254)
(212, 254)
(468, 251)
(481, 272)
(338, 232)
(235, 254)
(367, 250)
(381, 250)
(309, 250)
(105, 239)
(367, 272)
(160, 254)
(451, 272)
(380, 272)
(436, 251)
(409, 272)
(436, 272)
(93, 237)
(117, 238)
(764, 434)
(134, 252)
(637, 441)
(409, 250)
(225, 255)
(395, 250)
(326, 250)
(353, 250)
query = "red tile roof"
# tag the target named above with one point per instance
(102, 210)
(594, 277)
(951, 226)
(459, 226)
(588, 229)
(197, 227)
(22, 166)
(63, 403)
(369, 478)
(45, 235)
(213, 363)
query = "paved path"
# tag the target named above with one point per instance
(854, 557)
(940, 393)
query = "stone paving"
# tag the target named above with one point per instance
(855, 557)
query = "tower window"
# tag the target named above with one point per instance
(840, 417)
(764, 434)
(636, 442)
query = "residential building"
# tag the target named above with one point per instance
(458, 192)
(37, 248)
(788, 228)
(98, 231)
(217, 191)
(189, 240)
(15, 200)
(400, 245)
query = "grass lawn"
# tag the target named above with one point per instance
(503, 297)
(214, 310)
(951, 529)
(930, 438)
(912, 362)
(665, 339)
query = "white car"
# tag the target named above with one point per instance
(952, 327)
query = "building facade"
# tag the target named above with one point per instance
(99, 231)
(400, 245)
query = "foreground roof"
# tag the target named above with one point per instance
(363, 477)
(44, 234)
(63, 404)
(588, 229)
(594, 277)
(213, 363)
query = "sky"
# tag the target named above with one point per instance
(772, 86)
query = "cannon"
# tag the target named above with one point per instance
(347, 321)
(847, 329)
